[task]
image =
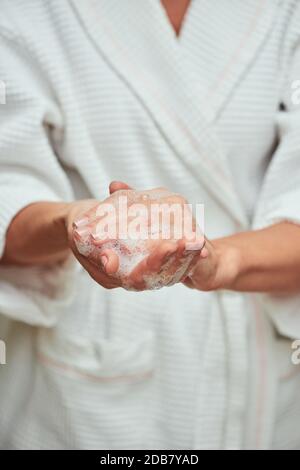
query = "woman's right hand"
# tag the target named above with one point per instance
(42, 233)
(78, 213)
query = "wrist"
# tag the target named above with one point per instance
(37, 235)
(60, 221)
(54, 233)
(229, 262)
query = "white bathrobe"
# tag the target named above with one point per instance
(102, 89)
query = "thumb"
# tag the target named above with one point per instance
(117, 185)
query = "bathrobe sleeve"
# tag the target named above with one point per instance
(30, 171)
(280, 197)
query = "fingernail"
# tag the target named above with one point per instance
(80, 222)
(103, 260)
(94, 236)
(98, 238)
(193, 246)
(82, 232)
(168, 254)
(196, 245)
(204, 253)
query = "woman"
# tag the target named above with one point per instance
(197, 97)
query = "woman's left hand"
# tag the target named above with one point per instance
(266, 260)
(215, 269)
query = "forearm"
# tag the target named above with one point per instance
(265, 260)
(37, 235)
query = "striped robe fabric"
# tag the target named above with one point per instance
(99, 90)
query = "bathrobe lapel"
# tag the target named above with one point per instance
(232, 33)
(136, 40)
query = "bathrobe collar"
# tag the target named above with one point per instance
(152, 62)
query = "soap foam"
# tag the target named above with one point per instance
(131, 252)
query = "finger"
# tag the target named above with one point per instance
(104, 280)
(117, 186)
(93, 264)
(86, 218)
(159, 256)
(135, 278)
(91, 212)
(97, 274)
(109, 261)
(191, 266)
(80, 242)
(91, 220)
(204, 252)
(196, 245)
(153, 263)
(159, 192)
(188, 283)
(180, 248)
(178, 257)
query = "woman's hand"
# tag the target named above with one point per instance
(266, 260)
(216, 268)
